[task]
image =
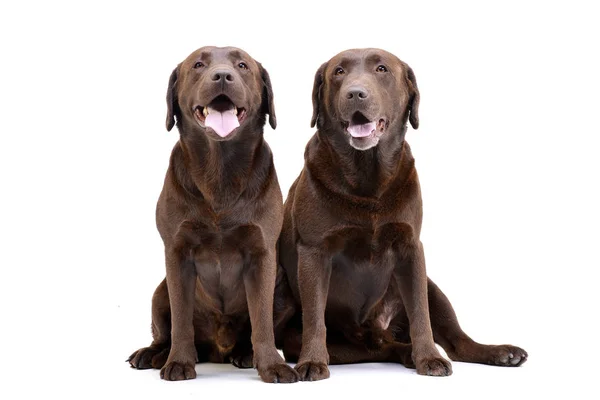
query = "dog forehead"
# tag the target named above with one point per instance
(218, 54)
(366, 55)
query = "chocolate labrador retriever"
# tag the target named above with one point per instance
(219, 215)
(350, 246)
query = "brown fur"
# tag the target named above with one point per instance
(219, 215)
(350, 246)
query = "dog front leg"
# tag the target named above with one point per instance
(412, 278)
(181, 283)
(259, 282)
(314, 272)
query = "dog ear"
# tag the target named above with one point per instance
(415, 97)
(268, 106)
(172, 103)
(316, 95)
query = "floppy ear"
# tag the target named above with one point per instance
(268, 107)
(316, 95)
(172, 104)
(414, 98)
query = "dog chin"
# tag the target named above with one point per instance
(364, 143)
(214, 136)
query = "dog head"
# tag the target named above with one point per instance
(220, 91)
(365, 94)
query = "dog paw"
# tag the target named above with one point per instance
(312, 371)
(175, 371)
(402, 353)
(507, 356)
(278, 373)
(434, 366)
(243, 360)
(149, 357)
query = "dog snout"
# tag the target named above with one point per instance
(223, 75)
(357, 93)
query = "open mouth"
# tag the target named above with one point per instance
(221, 115)
(361, 127)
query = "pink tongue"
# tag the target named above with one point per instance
(222, 122)
(362, 130)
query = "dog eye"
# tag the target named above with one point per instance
(242, 65)
(198, 65)
(381, 68)
(339, 71)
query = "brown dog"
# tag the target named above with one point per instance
(219, 215)
(350, 242)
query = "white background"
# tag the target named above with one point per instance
(507, 154)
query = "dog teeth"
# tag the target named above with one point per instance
(208, 110)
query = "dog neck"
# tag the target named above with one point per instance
(364, 173)
(223, 171)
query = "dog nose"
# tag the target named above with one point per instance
(222, 75)
(357, 93)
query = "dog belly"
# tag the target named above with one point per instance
(220, 260)
(221, 310)
(363, 290)
(220, 284)
(357, 286)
